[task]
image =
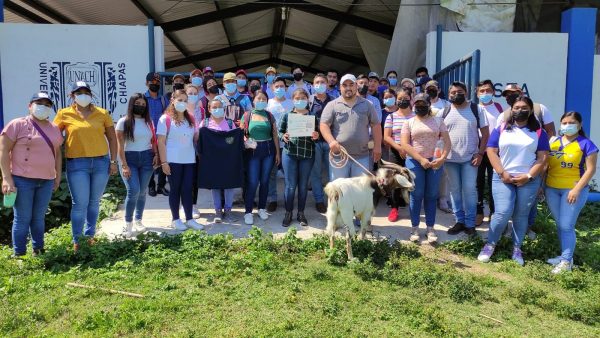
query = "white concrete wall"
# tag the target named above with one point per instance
(595, 122)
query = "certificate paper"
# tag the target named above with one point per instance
(300, 125)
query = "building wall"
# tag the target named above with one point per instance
(595, 122)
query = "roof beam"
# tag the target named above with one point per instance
(24, 13)
(48, 11)
(328, 52)
(226, 33)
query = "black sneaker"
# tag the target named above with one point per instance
(470, 231)
(302, 219)
(163, 190)
(272, 207)
(152, 191)
(456, 228)
(37, 252)
(287, 220)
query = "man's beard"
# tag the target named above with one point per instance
(349, 94)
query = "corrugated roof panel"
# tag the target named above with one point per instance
(346, 41)
(202, 38)
(13, 18)
(254, 54)
(221, 62)
(385, 11)
(250, 27)
(296, 55)
(308, 27)
(227, 4)
(171, 52)
(325, 62)
(105, 12)
(338, 5)
(33, 10)
(165, 11)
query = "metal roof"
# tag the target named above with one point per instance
(233, 34)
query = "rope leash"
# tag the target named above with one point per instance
(343, 160)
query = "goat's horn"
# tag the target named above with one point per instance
(390, 165)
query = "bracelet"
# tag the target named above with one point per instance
(500, 174)
(164, 163)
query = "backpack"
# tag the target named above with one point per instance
(233, 107)
(229, 122)
(537, 110)
(169, 123)
(538, 132)
(474, 109)
(248, 116)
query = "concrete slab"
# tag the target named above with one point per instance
(157, 217)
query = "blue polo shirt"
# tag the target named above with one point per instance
(156, 106)
(307, 86)
(335, 92)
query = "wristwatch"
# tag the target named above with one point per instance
(113, 162)
(529, 177)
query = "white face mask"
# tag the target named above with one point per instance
(40, 111)
(181, 106)
(83, 99)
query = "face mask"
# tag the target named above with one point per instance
(520, 115)
(218, 112)
(153, 87)
(193, 99)
(457, 99)
(300, 104)
(230, 87)
(260, 105)
(214, 89)
(241, 83)
(320, 88)
(181, 106)
(297, 76)
(421, 110)
(279, 92)
(197, 81)
(569, 129)
(393, 82)
(139, 110)
(40, 111)
(83, 99)
(363, 89)
(177, 86)
(270, 78)
(403, 104)
(487, 98)
(254, 88)
(432, 93)
(510, 99)
(389, 102)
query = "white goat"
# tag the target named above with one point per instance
(359, 196)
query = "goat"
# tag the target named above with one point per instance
(359, 196)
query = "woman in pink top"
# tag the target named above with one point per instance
(419, 138)
(31, 162)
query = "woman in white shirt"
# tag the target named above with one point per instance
(138, 155)
(177, 133)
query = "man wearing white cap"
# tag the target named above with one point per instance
(345, 122)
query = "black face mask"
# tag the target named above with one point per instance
(458, 99)
(177, 86)
(254, 88)
(363, 89)
(214, 89)
(432, 93)
(422, 110)
(154, 87)
(297, 76)
(139, 110)
(510, 99)
(520, 115)
(403, 104)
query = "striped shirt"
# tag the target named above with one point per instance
(395, 122)
(303, 147)
(464, 134)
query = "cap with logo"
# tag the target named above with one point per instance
(195, 71)
(432, 83)
(229, 76)
(80, 84)
(241, 71)
(208, 69)
(348, 77)
(179, 76)
(373, 75)
(423, 80)
(423, 98)
(271, 69)
(511, 88)
(40, 96)
(152, 77)
(407, 80)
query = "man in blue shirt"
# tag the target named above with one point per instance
(298, 74)
(332, 78)
(156, 105)
(363, 91)
(232, 95)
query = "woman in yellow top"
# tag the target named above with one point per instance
(88, 162)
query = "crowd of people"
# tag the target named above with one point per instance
(454, 147)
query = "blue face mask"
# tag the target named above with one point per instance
(485, 99)
(320, 88)
(197, 81)
(230, 87)
(241, 83)
(260, 105)
(569, 129)
(393, 82)
(300, 104)
(279, 92)
(193, 99)
(389, 102)
(218, 112)
(270, 78)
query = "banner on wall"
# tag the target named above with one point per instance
(113, 60)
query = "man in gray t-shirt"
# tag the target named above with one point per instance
(345, 121)
(465, 156)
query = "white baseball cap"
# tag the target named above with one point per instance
(348, 77)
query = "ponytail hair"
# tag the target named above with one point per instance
(173, 113)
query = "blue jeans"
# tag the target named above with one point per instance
(462, 178)
(512, 201)
(297, 171)
(532, 213)
(140, 165)
(273, 182)
(87, 178)
(351, 169)
(259, 164)
(321, 159)
(181, 182)
(565, 215)
(33, 196)
(427, 183)
(216, 195)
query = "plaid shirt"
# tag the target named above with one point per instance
(303, 147)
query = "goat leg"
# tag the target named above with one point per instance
(332, 241)
(349, 246)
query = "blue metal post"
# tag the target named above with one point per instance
(151, 45)
(475, 75)
(438, 49)
(1, 100)
(580, 23)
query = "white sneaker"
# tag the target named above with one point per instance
(280, 174)
(127, 229)
(192, 224)
(517, 256)
(249, 219)
(178, 225)
(562, 266)
(195, 212)
(262, 213)
(138, 226)
(554, 261)
(486, 253)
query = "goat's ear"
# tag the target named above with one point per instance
(403, 181)
(408, 172)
